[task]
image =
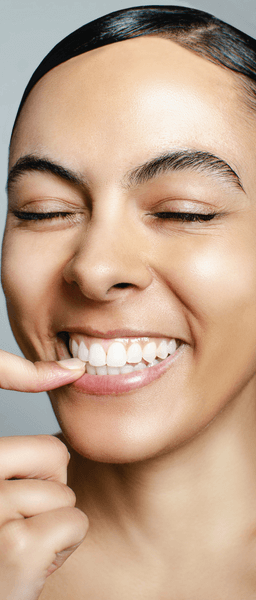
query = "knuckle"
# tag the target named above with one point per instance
(6, 498)
(14, 538)
(58, 448)
(76, 522)
(2, 487)
(70, 496)
(81, 517)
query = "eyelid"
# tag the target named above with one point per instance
(48, 221)
(184, 205)
(46, 204)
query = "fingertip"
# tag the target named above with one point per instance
(72, 364)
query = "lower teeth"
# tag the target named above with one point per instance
(119, 370)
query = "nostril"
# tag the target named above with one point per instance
(121, 285)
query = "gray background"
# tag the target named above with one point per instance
(28, 30)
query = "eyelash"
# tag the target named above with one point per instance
(178, 216)
(186, 216)
(40, 216)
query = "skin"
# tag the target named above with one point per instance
(173, 485)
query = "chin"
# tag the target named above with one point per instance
(121, 429)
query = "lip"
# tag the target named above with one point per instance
(109, 385)
(116, 333)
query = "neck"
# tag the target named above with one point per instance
(205, 487)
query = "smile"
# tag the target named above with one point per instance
(119, 365)
(120, 356)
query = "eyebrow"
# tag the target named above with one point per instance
(180, 160)
(30, 163)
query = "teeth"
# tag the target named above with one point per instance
(118, 360)
(149, 352)
(113, 371)
(126, 369)
(140, 366)
(155, 362)
(172, 346)
(162, 350)
(73, 348)
(83, 352)
(134, 353)
(102, 370)
(105, 370)
(97, 355)
(116, 356)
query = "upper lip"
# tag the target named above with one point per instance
(117, 333)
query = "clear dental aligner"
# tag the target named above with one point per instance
(121, 356)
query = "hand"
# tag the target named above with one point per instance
(39, 524)
(19, 374)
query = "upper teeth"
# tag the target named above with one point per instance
(118, 353)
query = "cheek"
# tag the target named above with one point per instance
(27, 272)
(224, 283)
(31, 276)
(213, 277)
(33, 263)
(215, 281)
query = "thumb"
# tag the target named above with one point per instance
(61, 557)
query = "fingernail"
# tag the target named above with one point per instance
(71, 363)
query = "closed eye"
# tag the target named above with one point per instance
(167, 215)
(39, 216)
(185, 216)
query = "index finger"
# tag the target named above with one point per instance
(33, 457)
(20, 374)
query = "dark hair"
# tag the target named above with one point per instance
(195, 30)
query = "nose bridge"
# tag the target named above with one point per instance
(102, 248)
(108, 256)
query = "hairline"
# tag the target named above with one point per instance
(242, 83)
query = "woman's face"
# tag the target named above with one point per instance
(117, 263)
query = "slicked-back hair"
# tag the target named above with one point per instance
(198, 31)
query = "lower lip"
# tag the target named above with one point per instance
(104, 385)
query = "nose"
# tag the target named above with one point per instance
(108, 258)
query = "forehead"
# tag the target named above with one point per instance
(130, 98)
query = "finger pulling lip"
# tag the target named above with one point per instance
(120, 384)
